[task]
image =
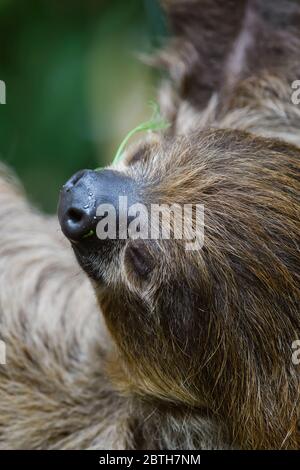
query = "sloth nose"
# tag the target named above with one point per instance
(83, 193)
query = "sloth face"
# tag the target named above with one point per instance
(185, 307)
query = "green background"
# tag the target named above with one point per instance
(74, 85)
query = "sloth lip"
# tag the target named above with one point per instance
(90, 255)
(84, 260)
(78, 247)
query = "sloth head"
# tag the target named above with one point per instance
(206, 319)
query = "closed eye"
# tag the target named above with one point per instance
(140, 154)
(138, 261)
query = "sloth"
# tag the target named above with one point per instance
(140, 343)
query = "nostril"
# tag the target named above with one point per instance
(75, 215)
(76, 222)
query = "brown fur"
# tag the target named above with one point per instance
(201, 354)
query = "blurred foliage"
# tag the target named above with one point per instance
(74, 85)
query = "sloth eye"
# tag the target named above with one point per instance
(141, 153)
(136, 156)
(139, 263)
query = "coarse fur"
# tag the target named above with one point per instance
(196, 347)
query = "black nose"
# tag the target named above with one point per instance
(84, 193)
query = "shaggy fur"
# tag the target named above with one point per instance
(198, 347)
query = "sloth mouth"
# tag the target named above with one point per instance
(96, 258)
(88, 261)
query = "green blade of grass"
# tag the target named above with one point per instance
(155, 123)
